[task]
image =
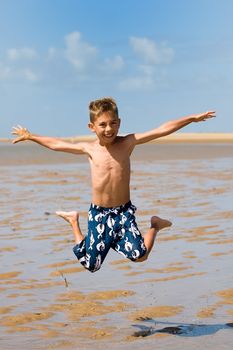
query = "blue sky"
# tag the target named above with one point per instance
(160, 60)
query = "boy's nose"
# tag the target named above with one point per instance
(108, 128)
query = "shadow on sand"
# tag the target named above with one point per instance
(181, 329)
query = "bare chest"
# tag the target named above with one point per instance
(104, 161)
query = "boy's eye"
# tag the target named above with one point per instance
(114, 123)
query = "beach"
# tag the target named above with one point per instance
(180, 298)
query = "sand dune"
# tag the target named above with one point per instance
(177, 137)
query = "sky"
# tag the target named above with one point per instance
(159, 59)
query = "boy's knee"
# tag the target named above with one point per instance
(89, 267)
(142, 258)
(90, 263)
(92, 268)
(138, 255)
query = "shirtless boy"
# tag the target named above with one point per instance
(111, 219)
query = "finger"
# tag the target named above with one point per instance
(208, 115)
(16, 132)
(16, 140)
(19, 126)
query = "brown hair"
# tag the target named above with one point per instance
(106, 104)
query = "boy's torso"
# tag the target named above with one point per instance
(110, 172)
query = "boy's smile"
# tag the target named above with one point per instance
(106, 127)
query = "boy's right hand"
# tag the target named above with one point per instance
(22, 133)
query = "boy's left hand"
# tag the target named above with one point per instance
(203, 116)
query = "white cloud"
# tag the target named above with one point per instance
(78, 52)
(150, 52)
(58, 63)
(137, 83)
(145, 72)
(11, 73)
(115, 64)
(24, 53)
(28, 74)
(86, 58)
(18, 65)
(5, 71)
(147, 69)
(78, 61)
(52, 51)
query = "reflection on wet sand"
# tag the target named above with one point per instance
(9, 275)
(24, 318)
(47, 301)
(226, 296)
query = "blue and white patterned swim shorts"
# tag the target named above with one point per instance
(114, 228)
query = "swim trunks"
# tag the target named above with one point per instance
(114, 228)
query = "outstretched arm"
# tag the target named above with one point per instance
(172, 126)
(53, 143)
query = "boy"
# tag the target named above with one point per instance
(111, 220)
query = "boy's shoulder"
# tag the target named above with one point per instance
(126, 143)
(126, 138)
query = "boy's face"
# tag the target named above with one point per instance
(106, 127)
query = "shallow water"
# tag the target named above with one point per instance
(182, 297)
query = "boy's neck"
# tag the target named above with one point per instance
(106, 144)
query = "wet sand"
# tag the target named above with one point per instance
(182, 297)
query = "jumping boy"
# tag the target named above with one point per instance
(111, 219)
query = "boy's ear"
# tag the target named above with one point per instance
(91, 127)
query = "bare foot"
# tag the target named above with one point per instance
(159, 224)
(69, 216)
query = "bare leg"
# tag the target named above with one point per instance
(157, 224)
(72, 217)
